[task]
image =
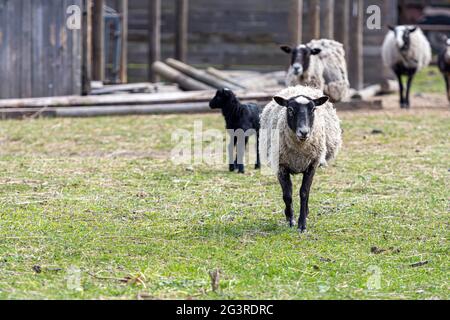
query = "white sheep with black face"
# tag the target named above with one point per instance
(309, 136)
(406, 51)
(444, 65)
(320, 64)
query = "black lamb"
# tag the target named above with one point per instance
(242, 120)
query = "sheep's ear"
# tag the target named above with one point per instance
(413, 29)
(320, 101)
(392, 28)
(316, 51)
(286, 49)
(281, 101)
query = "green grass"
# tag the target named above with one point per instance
(99, 196)
(429, 80)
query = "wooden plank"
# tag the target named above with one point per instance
(155, 109)
(3, 51)
(154, 34)
(98, 33)
(295, 22)
(135, 99)
(223, 76)
(314, 9)
(328, 21)
(356, 68)
(87, 47)
(184, 81)
(200, 75)
(39, 79)
(77, 53)
(181, 34)
(124, 42)
(343, 24)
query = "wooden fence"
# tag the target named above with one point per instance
(39, 55)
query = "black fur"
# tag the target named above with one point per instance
(238, 116)
(301, 55)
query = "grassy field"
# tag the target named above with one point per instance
(91, 208)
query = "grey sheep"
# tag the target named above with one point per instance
(300, 131)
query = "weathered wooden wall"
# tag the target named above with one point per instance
(238, 34)
(39, 56)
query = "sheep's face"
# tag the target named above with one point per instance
(403, 36)
(300, 58)
(300, 114)
(222, 99)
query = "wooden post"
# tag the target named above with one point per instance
(296, 22)
(328, 23)
(343, 24)
(124, 41)
(181, 34)
(356, 39)
(154, 41)
(98, 41)
(315, 18)
(87, 47)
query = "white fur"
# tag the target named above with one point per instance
(418, 56)
(327, 71)
(323, 145)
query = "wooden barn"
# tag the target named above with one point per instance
(119, 39)
(39, 55)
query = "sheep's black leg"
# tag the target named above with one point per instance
(400, 85)
(258, 159)
(240, 152)
(231, 162)
(308, 178)
(286, 184)
(411, 73)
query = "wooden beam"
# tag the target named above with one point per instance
(98, 31)
(124, 42)
(184, 81)
(154, 41)
(200, 75)
(343, 24)
(356, 72)
(296, 22)
(314, 15)
(129, 99)
(152, 109)
(328, 22)
(181, 34)
(87, 47)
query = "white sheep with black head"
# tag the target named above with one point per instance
(309, 136)
(406, 51)
(320, 64)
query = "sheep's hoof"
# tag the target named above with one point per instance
(302, 229)
(241, 169)
(291, 223)
(257, 166)
(404, 105)
(232, 168)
